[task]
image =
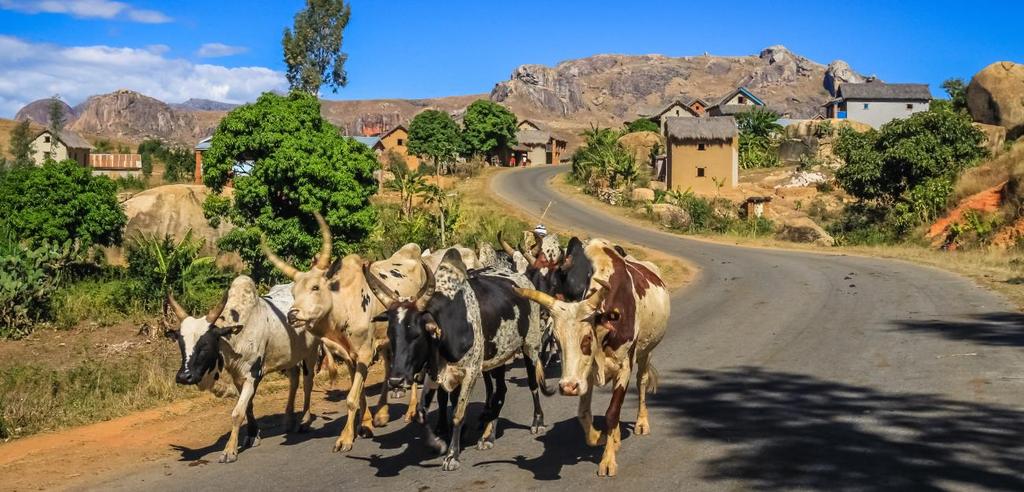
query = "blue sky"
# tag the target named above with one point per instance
(426, 49)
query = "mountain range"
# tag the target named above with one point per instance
(603, 90)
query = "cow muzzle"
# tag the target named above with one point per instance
(569, 388)
(186, 378)
(293, 319)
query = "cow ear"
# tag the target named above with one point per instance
(172, 334)
(380, 318)
(220, 332)
(335, 267)
(431, 326)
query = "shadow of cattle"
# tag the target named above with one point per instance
(999, 329)
(270, 426)
(791, 431)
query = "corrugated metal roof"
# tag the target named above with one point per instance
(880, 91)
(204, 144)
(367, 141)
(710, 128)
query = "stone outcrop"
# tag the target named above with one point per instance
(995, 96)
(128, 115)
(642, 195)
(804, 230)
(671, 215)
(839, 72)
(38, 111)
(640, 144)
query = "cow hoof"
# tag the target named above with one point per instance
(450, 463)
(438, 445)
(484, 444)
(608, 469)
(365, 432)
(642, 429)
(381, 419)
(538, 429)
(228, 457)
(408, 418)
(342, 447)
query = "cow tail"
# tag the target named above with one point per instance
(538, 367)
(652, 379)
(327, 362)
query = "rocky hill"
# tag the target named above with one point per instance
(38, 111)
(128, 115)
(569, 97)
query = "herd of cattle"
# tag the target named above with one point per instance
(438, 321)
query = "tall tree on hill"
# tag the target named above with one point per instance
(956, 89)
(435, 135)
(312, 48)
(488, 129)
(57, 120)
(20, 145)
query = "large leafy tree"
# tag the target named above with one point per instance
(488, 128)
(286, 162)
(61, 201)
(312, 48)
(20, 145)
(435, 135)
(956, 89)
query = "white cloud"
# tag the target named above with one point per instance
(215, 50)
(38, 70)
(100, 9)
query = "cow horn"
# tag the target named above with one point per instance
(597, 298)
(384, 294)
(172, 303)
(323, 261)
(288, 270)
(536, 296)
(505, 245)
(214, 313)
(428, 287)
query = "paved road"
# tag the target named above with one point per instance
(779, 370)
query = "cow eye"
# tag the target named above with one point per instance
(316, 288)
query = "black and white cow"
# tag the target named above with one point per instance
(470, 323)
(245, 337)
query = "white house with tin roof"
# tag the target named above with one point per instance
(877, 103)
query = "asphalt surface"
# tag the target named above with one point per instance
(780, 370)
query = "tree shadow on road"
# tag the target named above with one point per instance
(998, 329)
(785, 431)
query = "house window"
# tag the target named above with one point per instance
(401, 142)
(700, 172)
(910, 106)
(742, 100)
(701, 147)
(46, 139)
(46, 156)
(866, 105)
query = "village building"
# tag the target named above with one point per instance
(677, 108)
(877, 103)
(703, 154)
(116, 165)
(201, 147)
(535, 145)
(68, 145)
(740, 100)
(394, 140)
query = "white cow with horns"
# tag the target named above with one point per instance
(246, 337)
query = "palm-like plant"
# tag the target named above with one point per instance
(408, 183)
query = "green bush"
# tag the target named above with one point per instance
(642, 125)
(158, 265)
(59, 202)
(759, 139)
(602, 157)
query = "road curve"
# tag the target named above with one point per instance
(780, 370)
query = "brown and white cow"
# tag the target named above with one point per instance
(333, 301)
(605, 335)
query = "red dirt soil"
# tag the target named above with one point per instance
(986, 201)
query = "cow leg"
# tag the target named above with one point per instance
(308, 376)
(493, 410)
(410, 411)
(252, 430)
(436, 438)
(585, 416)
(383, 414)
(643, 379)
(534, 369)
(238, 414)
(356, 403)
(608, 466)
(451, 460)
(488, 394)
(289, 408)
